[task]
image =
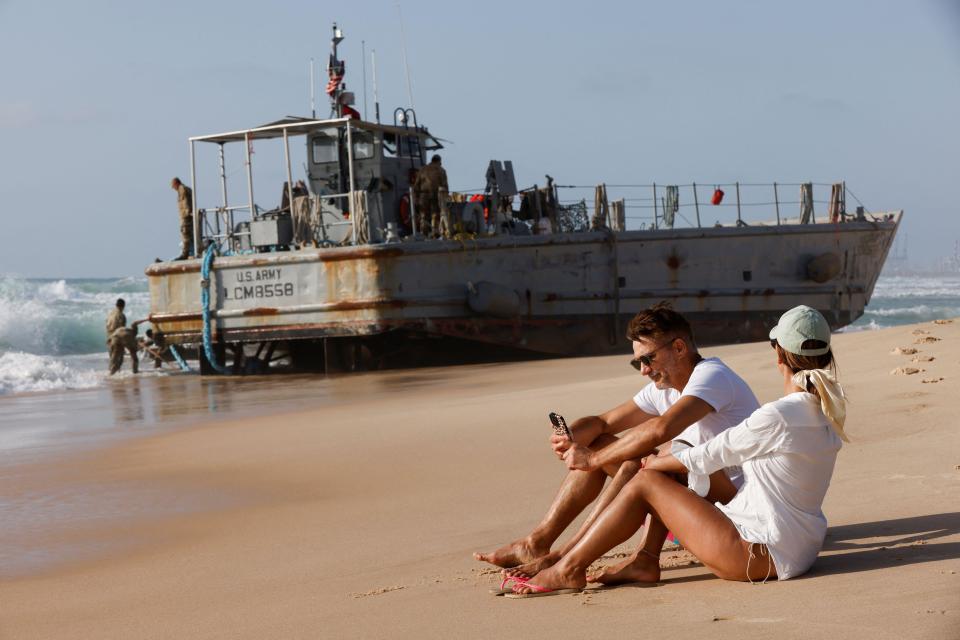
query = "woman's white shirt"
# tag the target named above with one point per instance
(787, 451)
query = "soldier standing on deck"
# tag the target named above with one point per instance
(430, 179)
(185, 203)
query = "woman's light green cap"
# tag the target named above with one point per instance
(798, 325)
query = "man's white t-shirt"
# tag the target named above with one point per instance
(716, 384)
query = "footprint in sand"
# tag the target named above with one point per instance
(926, 340)
(932, 380)
(905, 371)
(922, 359)
(920, 332)
(903, 351)
(378, 591)
(941, 321)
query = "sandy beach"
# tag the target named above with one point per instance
(357, 519)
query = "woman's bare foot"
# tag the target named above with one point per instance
(513, 554)
(642, 567)
(533, 567)
(553, 578)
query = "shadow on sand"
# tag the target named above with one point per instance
(888, 543)
(869, 546)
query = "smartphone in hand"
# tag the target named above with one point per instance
(560, 425)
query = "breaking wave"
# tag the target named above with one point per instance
(52, 333)
(24, 372)
(904, 299)
(63, 317)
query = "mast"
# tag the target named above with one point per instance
(336, 69)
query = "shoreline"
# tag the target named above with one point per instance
(357, 518)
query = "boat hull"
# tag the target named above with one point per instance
(560, 294)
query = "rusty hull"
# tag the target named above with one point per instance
(577, 291)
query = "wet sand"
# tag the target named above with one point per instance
(348, 508)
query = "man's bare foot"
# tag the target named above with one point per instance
(533, 567)
(554, 578)
(640, 568)
(513, 554)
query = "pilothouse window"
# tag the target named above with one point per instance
(324, 149)
(409, 146)
(362, 145)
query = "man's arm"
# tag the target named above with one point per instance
(641, 440)
(587, 429)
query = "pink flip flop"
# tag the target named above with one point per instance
(504, 588)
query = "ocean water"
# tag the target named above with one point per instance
(908, 299)
(52, 334)
(52, 330)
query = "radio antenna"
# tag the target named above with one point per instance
(403, 49)
(363, 56)
(313, 98)
(376, 100)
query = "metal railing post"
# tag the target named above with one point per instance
(246, 142)
(654, 205)
(286, 152)
(776, 202)
(223, 191)
(353, 217)
(196, 218)
(413, 212)
(696, 203)
(843, 200)
(739, 220)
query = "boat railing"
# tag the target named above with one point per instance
(697, 205)
(306, 223)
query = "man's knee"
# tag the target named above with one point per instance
(629, 469)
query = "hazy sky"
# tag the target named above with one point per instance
(97, 100)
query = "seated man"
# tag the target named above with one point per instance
(689, 400)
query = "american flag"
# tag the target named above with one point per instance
(335, 80)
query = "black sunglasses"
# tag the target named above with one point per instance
(647, 359)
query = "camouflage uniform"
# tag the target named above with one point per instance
(122, 338)
(185, 204)
(115, 320)
(429, 180)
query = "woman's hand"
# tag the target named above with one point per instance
(666, 463)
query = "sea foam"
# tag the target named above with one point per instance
(21, 372)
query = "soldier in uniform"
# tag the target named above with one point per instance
(116, 319)
(123, 338)
(185, 204)
(120, 337)
(154, 346)
(430, 179)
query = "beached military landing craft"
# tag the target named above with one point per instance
(339, 276)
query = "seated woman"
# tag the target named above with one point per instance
(774, 526)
